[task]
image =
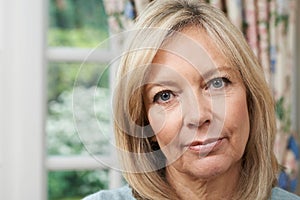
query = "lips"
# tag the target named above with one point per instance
(205, 146)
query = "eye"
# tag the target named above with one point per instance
(163, 97)
(218, 83)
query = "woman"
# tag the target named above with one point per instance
(194, 117)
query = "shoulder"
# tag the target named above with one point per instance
(280, 194)
(123, 193)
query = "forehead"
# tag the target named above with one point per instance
(190, 48)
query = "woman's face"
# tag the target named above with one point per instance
(196, 105)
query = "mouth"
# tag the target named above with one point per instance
(207, 146)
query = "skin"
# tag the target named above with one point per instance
(196, 105)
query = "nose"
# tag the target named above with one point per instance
(197, 110)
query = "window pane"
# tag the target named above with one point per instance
(73, 185)
(77, 23)
(78, 109)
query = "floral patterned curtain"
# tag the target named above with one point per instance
(269, 27)
(121, 13)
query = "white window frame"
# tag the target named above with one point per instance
(57, 163)
(23, 71)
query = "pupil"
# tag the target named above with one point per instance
(218, 83)
(165, 96)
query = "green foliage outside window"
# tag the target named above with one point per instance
(77, 23)
(75, 184)
(80, 24)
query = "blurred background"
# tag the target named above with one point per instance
(57, 75)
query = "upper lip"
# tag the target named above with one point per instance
(207, 141)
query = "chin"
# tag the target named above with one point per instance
(211, 166)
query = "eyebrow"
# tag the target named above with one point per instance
(213, 71)
(206, 75)
(151, 85)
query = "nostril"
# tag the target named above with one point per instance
(207, 122)
(199, 124)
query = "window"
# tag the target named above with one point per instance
(79, 119)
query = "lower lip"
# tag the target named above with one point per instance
(208, 148)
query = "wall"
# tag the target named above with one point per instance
(22, 91)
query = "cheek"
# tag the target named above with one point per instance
(237, 110)
(157, 118)
(241, 113)
(166, 124)
(237, 119)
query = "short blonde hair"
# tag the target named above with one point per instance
(142, 161)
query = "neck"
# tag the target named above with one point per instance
(194, 188)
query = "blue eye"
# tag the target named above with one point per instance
(218, 83)
(163, 96)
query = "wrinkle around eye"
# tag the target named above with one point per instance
(223, 80)
(168, 106)
(165, 98)
(161, 96)
(210, 90)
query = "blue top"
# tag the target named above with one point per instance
(124, 193)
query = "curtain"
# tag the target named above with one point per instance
(121, 13)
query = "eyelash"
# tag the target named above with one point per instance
(159, 94)
(225, 80)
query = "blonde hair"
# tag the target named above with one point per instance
(142, 160)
